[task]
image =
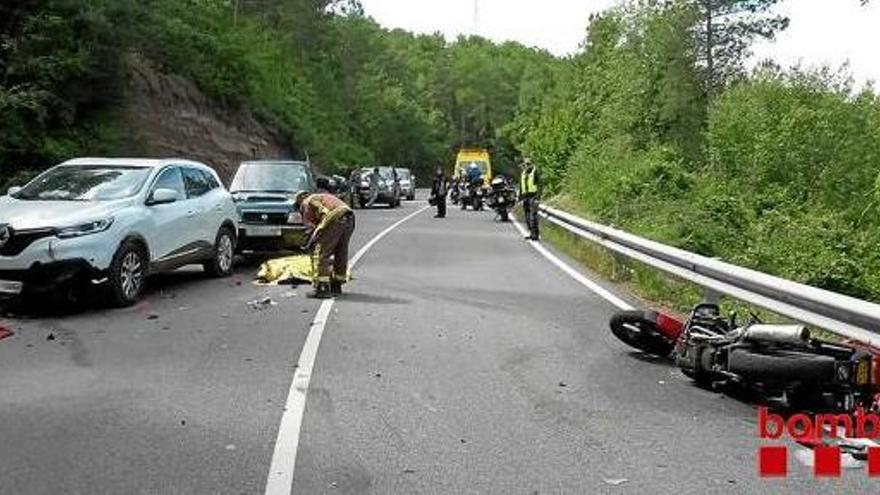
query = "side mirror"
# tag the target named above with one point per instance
(12, 190)
(163, 196)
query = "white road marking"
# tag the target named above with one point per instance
(280, 481)
(589, 284)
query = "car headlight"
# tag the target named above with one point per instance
(85, 228)
(295, 217)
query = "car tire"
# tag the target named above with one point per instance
(223, 258)
(127, 274)
(411, 197)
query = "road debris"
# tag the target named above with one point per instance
(615, 481)
(230, 447)
(563, 384)
(50, 337)
(262, 303)
(5, 332)
(153, 317)
(409, 471)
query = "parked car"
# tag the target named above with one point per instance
(108, 223)
(407, 183)
(388, 183)
(263, 192)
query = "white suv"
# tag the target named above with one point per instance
(108, 223)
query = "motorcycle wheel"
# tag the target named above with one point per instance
(781, 366)
(644, 336)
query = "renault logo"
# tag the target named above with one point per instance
(5, 234)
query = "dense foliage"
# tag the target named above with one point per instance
(776, 171)
(654, 126)
(340, 87)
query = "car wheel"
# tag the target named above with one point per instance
(127, 274)
(411, 197)
(221, 264)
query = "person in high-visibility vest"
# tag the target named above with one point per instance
(332, 224)
(530, 188)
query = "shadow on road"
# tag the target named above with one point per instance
(163, 286)
(372, 299)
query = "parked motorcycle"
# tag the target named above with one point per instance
(502, 197)
(779, 361)
(464, 195)
(454, 192)
(477, 196)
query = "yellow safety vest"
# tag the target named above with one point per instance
(527, 182)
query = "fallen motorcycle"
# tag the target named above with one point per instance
(782, 362)
(647, 331)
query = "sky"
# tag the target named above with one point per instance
(822, 32)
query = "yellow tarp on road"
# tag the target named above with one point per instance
(291, 269)
(294, 269)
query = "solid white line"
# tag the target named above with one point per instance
(280, 481)
(589, 284)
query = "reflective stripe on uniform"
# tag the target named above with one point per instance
(527, 182)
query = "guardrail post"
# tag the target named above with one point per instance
(711, 297)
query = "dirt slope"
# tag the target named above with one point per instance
(170, 117)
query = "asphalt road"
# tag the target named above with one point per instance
(460, 361)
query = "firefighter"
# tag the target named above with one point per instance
(530, 189)
(332, 224)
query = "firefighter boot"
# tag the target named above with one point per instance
(321, 291)
(336, 288)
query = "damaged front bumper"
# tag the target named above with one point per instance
(43, 278)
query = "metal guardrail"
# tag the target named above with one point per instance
(844, 315)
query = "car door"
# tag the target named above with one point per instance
(171, 222)
(202, 210)
(217, 205)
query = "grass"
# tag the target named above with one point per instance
(655, 288)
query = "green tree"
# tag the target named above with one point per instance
(725, 30)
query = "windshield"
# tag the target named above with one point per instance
(85, 183)
(481, 165)
(272, 177)
(384, 172)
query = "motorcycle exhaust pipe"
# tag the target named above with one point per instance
(780, 334)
